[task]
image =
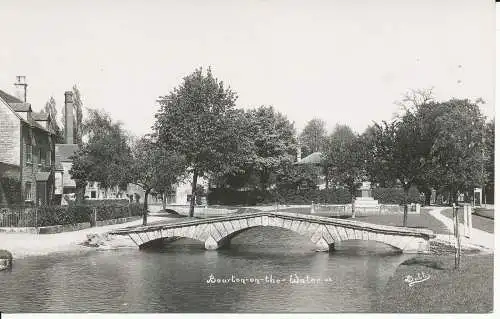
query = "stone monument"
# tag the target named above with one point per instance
(366, 201)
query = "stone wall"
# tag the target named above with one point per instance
(10, 134)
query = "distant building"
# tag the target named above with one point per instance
(27, 142)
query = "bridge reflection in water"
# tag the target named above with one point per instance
(322, 231)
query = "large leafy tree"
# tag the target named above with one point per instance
(313, 136)
(343, 160)
(457, 149)
(154, 168)
(274, 141)
(377, 146)
(198, 121)
(105, 157)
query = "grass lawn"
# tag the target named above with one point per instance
(297, 210)
(479, 222)
(469, 289)
(424, 219)
(488, 213)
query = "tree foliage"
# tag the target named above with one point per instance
(78, 105)
(198, 121)
(105, 157)
(313, 136)
(51, 109)
(342, 158)
(154, 168)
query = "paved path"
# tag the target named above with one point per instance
(478, 238)
(26, 244)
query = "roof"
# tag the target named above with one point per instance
(40, 116)
(42, 176)
(64, 152)
(314, 158)
(9, 98)
(20, 107)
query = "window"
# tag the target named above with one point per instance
(34, 156)
(27, 191)
(42, 157)
(28, 153)
(49, 158)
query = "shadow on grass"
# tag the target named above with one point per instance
(425, 261)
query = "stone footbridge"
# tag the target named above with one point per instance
(322, 231)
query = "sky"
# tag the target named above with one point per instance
(346, 62)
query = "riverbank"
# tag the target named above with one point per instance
(27, 244)
(447, 290)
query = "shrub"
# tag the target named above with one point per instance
(11, 189)
(106, 202)
(63, 215)
(396, 195)
(223, 196)
(107, 212)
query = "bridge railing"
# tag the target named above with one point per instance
(201, 211)
(330, 210)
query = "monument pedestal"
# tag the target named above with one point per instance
(366, 201)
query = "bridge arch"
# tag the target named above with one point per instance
(324, 233)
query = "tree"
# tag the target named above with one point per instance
(50, 108)
(457, 149)
(78, 105)
(274, 141)
(313, 136)
(105, 157)
(377, 146)
(489, 158)
(154, 168)
(198, 121)
(343, 160)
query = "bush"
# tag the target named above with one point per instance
(396, 195)
(11, 189)
(106, 202)
(63, 215)
(225, 196)
(106, 212)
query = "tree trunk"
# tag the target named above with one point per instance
(145, 208)
(193, 193)
(326, 178)
(405, 206)
(164, 199)
(80, 191)
(428, 194)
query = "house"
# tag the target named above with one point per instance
(27, 153)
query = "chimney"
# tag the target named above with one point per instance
(21, 87)
(68, 121)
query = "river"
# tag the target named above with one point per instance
(182, 277)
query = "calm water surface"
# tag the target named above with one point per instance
(174, 277)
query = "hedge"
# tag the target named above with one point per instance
(226, 196)
(74, 214)
(106, 202)
(397, 195)
(106, 212)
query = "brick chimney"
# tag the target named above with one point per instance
(21, 88)
(68, 123)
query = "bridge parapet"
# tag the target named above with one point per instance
(323, 231)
